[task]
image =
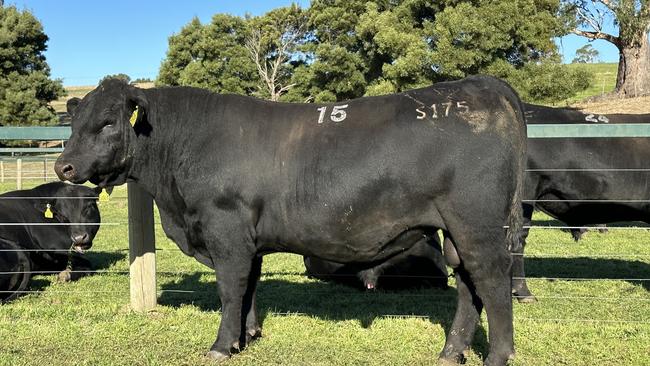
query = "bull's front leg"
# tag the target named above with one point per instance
(232, 283)
(237, 268)
(250, 320)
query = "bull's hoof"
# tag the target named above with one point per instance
(530, 299)
(64, 276)
(447, 362)
(492, 362)
(253, 333)
(217, 356)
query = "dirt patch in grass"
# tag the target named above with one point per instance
(640, 105)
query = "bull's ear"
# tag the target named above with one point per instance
(71, 105)
(138, 107)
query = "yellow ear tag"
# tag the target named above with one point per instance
(134, 117)
(103, 196)
(48, 213)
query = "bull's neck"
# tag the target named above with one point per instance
(158, 155)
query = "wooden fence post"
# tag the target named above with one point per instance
(2, 171)
(19, 174)
(142, 249)
(45, 170)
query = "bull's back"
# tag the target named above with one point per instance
(378, 171)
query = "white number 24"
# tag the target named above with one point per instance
(338, 113)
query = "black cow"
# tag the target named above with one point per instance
(586, 157)
(34, 247)
(235, 177)
(421, 265)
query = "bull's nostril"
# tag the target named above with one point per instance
(67, 171)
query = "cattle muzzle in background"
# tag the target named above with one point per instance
(81, 242)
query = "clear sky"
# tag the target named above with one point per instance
(91, 38)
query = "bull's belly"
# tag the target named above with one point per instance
(371, 237)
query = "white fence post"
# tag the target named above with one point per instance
(19, 174)
(142, 249)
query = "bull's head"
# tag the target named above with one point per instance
(100, 149)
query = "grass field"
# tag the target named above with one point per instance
(604, 320)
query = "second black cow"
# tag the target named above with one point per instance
(582, 181)
(32, 243)
(421, 265)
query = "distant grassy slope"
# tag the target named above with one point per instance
(604, 79)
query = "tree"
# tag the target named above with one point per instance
(361, 48)
(25, 84)
(351, 48)
(211, 56)
(124, 77)
(272, 43)
(586, 55)
(632, 17)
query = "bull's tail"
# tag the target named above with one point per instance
(515, 219)
(516, 216)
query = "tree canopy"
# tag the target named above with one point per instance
(25, 84)
(586, 54)
(342, 49)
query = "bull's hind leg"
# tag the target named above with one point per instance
(485, 277)
(519, 287)
(464, 325)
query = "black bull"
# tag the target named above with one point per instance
(43, 244)
(235, 177)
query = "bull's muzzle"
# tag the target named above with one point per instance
(65, 171)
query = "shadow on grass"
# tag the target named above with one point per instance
(101, 261)
(555, 222)
(98, 261)
(328, 301)
(589, 268)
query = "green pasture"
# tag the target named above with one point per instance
(601, 320)
(603, 81)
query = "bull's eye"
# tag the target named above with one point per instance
(107, 123)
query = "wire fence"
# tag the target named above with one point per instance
(96, 294)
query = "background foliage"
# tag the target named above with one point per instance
(25, 84)
(352, 48)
